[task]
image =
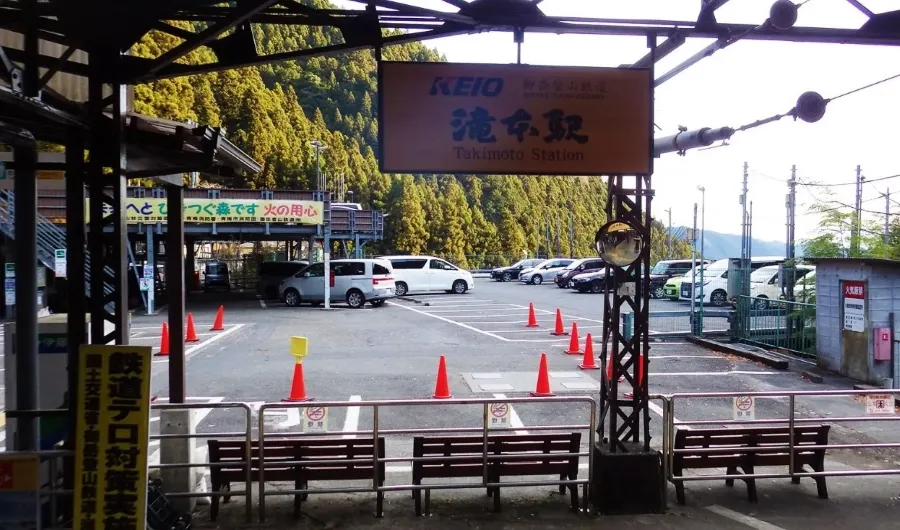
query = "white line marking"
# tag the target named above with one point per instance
(752, 522)
(196, 348)
(475, 310)
(564, 315)
(530, 330)
(262, 303)
(514, 421)
(447, 320)
(158, 337)
(351, 422)
(481, 307)
(730, 372)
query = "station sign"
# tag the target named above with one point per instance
(514, 119)
(152, 211)
(113, 415)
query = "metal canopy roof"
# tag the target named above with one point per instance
(74, 23)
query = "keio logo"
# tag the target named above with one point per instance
(466, 86)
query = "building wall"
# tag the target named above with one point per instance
(882, 298)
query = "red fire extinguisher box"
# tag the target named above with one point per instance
(883, 344)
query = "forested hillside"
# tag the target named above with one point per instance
(272, 112)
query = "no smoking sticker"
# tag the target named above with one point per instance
(315, 419)
(744, 408)
(499, 416)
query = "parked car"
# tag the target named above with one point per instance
(508, 274)
(716, 290)
(805, 288)
(356, 281)
(666, 269)
(421, 274)
(545, 270)
(215, 274)
(579, 266)
(672, 288)
(271, 273)
(765, 284)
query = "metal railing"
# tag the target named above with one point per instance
(675, 324)
(792, 421)
(789, 326)
(377, 431)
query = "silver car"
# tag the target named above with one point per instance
(355, 281)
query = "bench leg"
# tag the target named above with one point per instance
(798, 468)
(820, 481)
(213, 507)
(730, 471)
(751, 484)
(497, 500)
(562, 487)
(427, 501)
(679, 487)
(379, 504)
(573, 488)
(226, 487)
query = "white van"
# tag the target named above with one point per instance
(717, 290)
(355, 281)
(765, 284)
(422, 274)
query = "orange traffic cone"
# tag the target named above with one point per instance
(574, 348)
(441, 386)
(164, 341)
(532, 320)
(558, 330)
(609, 371)
(588, 362)
(191, 332)
(298, 388)
(218, 325)
(543, 381)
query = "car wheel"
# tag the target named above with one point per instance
(460, 287)
(718, 298)
(292, 298)
(659, 292)
(377, 303)
(596, 286)
(537, 279)
(507, 277)
(355, 299)
(400, 289)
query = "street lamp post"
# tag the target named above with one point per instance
(319, 146)
(702, 253)
(326, 240)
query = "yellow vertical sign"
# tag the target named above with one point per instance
(112, 437)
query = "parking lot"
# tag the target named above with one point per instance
(392, 353)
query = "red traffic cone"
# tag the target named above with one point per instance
(542, 389)
(191, 332)
(558, 330)
(218, 325)
(588, 362)
(298, 388)
(609, 370)
(532, 320)
(441, 385)
(164, 341)
(574, 348)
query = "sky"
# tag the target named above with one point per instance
(745, 82)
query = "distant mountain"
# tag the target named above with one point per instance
(719, 246)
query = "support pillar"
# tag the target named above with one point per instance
(175, 291)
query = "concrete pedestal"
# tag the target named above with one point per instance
(628, 483)
(179, 451)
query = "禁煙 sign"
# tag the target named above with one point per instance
(513, 119)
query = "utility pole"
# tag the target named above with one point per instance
(669, 235)
(745, 236)
(857, 232)
(693, 290)
(887, 216)
(571, 234)
(790, 204)
(558, 245)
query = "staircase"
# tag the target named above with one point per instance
(49, 238)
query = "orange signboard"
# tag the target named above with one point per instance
(514, 119)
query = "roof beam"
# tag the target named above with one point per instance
(858, 5)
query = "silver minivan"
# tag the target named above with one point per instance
(355, 281)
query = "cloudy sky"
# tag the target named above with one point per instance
(747, 81)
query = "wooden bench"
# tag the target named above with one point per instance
(549, 451)
(739, 441)
(358, 466)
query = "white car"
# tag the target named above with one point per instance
(422, 274)
(546, 270)
(765, 284)
(805, 288)
(355, 281)
(715, 286)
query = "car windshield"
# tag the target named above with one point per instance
(573, 265)
(659, 268)
(762, 275)
(520, 263)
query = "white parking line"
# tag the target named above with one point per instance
(504, 308)
(514, 421)
(533, 330)
(481, 307)
(195, 349)
(752, 522)
(447, 320)
(730, 372)
(351, 422)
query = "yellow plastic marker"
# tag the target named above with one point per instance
(299, 348)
